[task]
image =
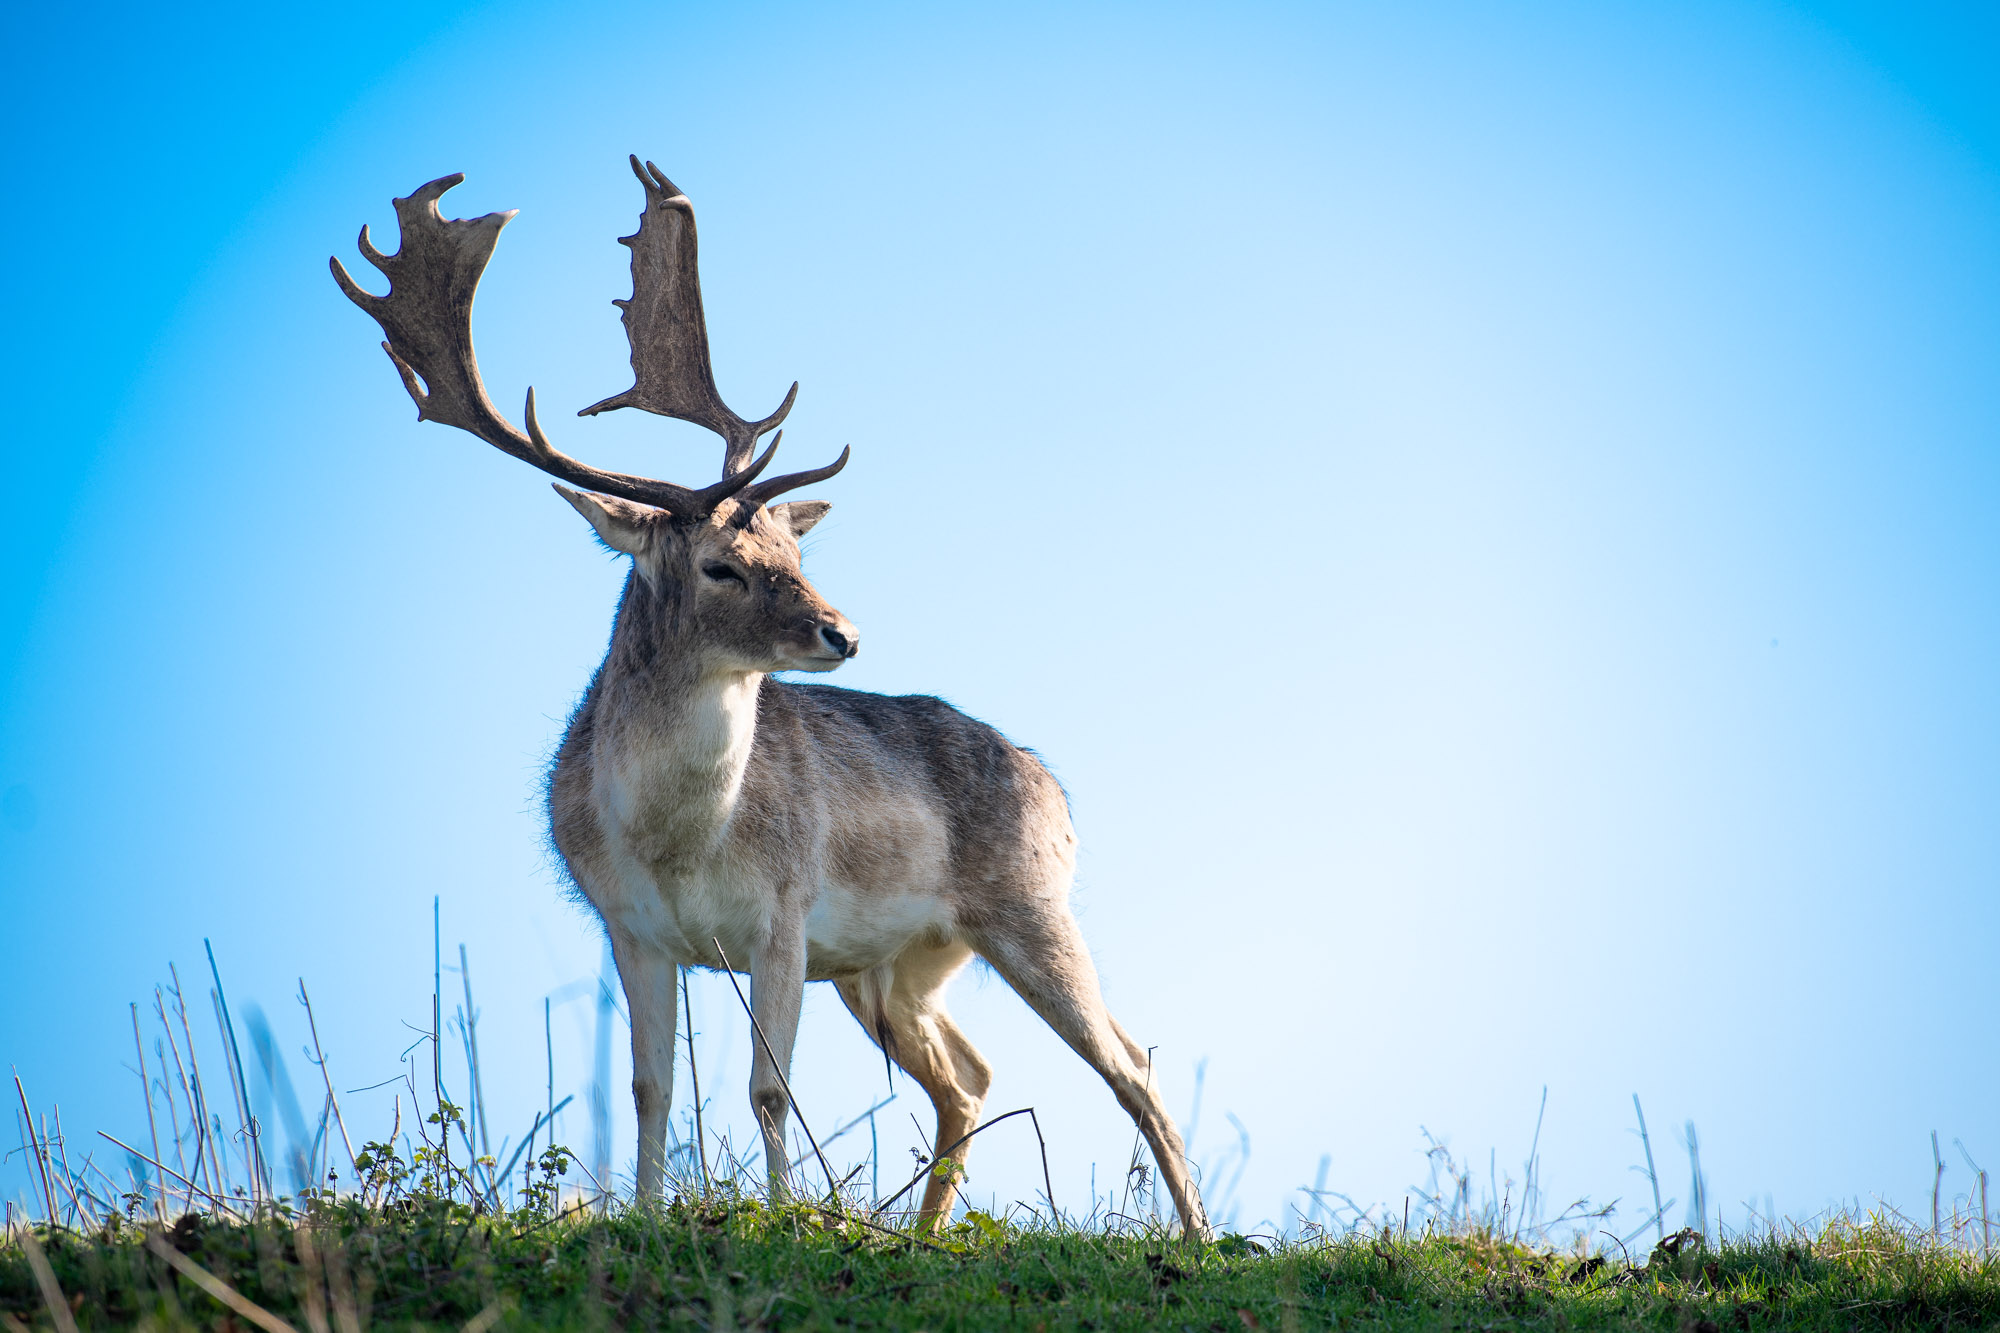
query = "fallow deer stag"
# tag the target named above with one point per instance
(817, 833)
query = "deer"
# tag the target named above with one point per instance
(715, 816)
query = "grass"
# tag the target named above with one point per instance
(731, 1261)
(428, 1229)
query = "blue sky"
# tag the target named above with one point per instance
(1490, 512)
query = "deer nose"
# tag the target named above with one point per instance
(840, 643)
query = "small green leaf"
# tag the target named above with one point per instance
(989, 1227)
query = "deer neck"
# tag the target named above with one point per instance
(680, 733)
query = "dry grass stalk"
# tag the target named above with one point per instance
(548, 1049)
(220, 1204)
(45, 1278)
(216, 1287)
(253, 1151)
(246, 1140)
(1659, 1209)
(311, 1296)
(1937, 1184)
(152, 1122)
(1985, 1219)
(340, 1286)
(437, 1044)
(943, 1156)
(470, 1020)
(485, 1319)
(65, 1177)
(783, 1082)
(694, 1078)
(319, 1058)
(35, 1147)
(198, 1092)
(173, 1111)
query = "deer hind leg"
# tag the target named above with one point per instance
(1043, 957)
(650, 998)
(905, 1015)
(1132, 1048)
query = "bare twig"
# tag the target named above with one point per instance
(1138, 1137)
(944, 1153)
(835, 1136)
(777, 1065)
(841, 1216)
(1049, 1190)
(694, 1077)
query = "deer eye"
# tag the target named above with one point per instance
(722, 573)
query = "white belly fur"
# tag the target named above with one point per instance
(849, 928)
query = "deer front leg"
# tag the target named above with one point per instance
(777, 991)
(649, 979)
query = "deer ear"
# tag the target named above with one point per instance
(620, 524)
(799, 515)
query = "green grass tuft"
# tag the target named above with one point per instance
(425, 1231)
(737, 1262)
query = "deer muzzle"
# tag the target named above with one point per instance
(840, 639)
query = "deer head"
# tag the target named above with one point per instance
(722, 561)
(729, 587)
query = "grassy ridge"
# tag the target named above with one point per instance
(429, 1232)
(738, 1263)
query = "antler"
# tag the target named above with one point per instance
(671, 374)
(427, 315)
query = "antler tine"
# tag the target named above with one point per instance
(427, 315)
(675, 499)
(764, 491)
(671, 372)
(777, 418)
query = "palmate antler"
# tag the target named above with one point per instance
(669, 335)
(427, 315)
